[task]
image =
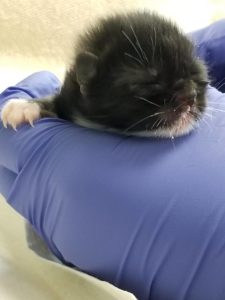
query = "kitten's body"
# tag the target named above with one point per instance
(135, 74)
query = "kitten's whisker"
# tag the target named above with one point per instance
(156, 123)
(173, 97)
(154, 44)
(133, 45)
(208, 115)
(153, 125)
(215, 102)
(133, 57)
(159, 122)
(142, 120)
(219, 87)
(218, 83)
(172, 140)
(139, 45)
(153, 51)
(176, 108)
(215, 109)
(146, 100)
(164, 123)
(207, 123)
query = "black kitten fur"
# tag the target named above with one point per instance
(136, 74)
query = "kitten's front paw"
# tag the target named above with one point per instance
(18, 111)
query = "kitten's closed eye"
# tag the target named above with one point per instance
(202, 83)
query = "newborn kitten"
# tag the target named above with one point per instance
(134, 73)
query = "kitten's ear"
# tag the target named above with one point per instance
(86, 68)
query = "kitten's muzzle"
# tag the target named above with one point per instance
(184, 103)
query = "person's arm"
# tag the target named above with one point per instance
(40, 84)
(210, 47)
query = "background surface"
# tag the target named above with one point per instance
(37, 35)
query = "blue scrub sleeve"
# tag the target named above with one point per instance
(210, 46)
(147, 215)
(38, 85)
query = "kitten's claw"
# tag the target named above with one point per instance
(14, 127)
(4, 123)
(18, 111)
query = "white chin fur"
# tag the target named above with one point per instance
(181, 127)
(165, 132)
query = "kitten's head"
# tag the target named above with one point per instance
(138, 74)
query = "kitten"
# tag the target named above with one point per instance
(134, 73)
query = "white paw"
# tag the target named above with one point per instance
(18, 111)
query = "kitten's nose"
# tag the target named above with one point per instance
(187, 99)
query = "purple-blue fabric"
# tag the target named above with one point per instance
(210, 45)
(147, 215)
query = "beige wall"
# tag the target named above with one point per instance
(38, 34)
